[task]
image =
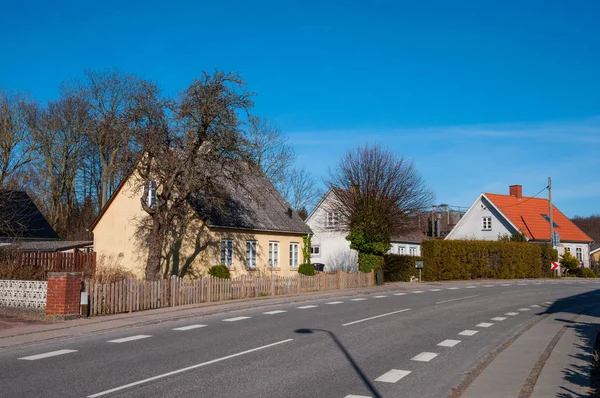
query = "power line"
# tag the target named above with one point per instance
(529, 198)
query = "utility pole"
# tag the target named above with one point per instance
(551, 220)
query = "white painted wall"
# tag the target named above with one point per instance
(334, 249)
(585, 251)
(471, 227)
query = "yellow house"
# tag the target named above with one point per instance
(595, 252)
(257, 233)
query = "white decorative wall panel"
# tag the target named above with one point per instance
(23, 294)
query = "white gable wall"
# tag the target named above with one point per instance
(471, 225)
(334, 249)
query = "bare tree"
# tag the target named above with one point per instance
(379, 193)
(58, 133)
(111, 99)
(275, 156)
(299, 188)
(186, 158)
(15, 144)
(270, 149)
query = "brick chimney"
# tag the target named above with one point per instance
(516, 191)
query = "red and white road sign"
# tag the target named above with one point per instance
(555, 265)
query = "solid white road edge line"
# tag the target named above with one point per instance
(47, 355)
(131, 338)
(456, 299)
(162, 376)
(393, 376)
(375, 317)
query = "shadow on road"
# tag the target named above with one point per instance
(357, 368)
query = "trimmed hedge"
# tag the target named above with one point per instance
(399, 268)
(306, 269)
(549, 255)
(369, 262)
(471, 259)
(220, 271)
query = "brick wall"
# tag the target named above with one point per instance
(63, 294)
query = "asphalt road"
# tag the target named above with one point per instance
(371, 345)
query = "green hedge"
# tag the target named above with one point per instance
(585, 273)
(399, 268)
(470, 259)
(369, 262)
(549, 255)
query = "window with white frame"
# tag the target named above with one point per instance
(294, 255)
(274, 254)
(413, 251)
(579, 254)
(401, 250)
(250, 254)
(486, 223)
(151, 198)
(315, 250)
(227, 252)
(567, 249)
(333, 220)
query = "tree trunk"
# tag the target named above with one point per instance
(156, 243)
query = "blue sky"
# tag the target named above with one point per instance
(480, 94)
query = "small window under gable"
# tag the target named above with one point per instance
(486, 223)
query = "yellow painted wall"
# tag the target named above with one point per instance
(596, 256)
(116, 243)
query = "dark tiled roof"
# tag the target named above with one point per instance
(595, 247)
(21, 219)
(412, 237)
(52, 245)
(253, 203)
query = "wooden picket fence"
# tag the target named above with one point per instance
(130, 295)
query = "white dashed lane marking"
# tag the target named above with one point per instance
(535, 306)
(484, 325)
(357, 396)
(435, 290)
(334, 302)
(237, 318)
(399, 294)
(131, 338)
(524, 309)
(304, 307)
(512, 313)
(47, 355)
(488, 285)
(418, 291)
(505, 284)
(190, 327)
(448, 343)
(274, 312)
(471, 287)
(498, 319)
(393, 376)
(358, 299)
(453, 288)
(424, 357)
(468, 332)
(380, 296)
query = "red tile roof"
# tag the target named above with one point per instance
(527, 213)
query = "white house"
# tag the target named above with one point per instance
(329, 245)
(493, 215)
